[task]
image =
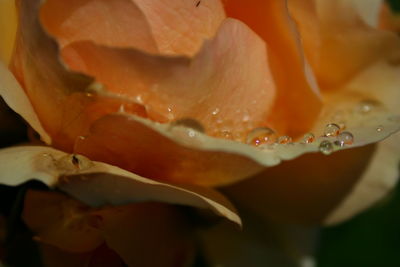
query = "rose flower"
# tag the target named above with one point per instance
(281, 105)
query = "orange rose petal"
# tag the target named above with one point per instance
(389, 20)
(61, 221)
(148, 234)
(8, 27)
(149, 153)
(173, 27)
(303, 190)
(297, 94)
(227, 87)
(339, 40)
(135, 232)
(118, 23)
(55, 257)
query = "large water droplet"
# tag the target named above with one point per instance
(284, 140)
(331, 130)
(260, 136)
(367, 106)
(345, 138)
(308, 138)
(189, 123)
(326, 147)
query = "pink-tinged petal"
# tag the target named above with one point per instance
(8, 28)
(339, 40)
(118, 23)
(181, 26)
(173, 27)
(298, 98)
(227, 87)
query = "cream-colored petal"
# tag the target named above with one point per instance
(15, 97)
(379, 178)
(367, 10)
(8, 28)
(383, 172)
(310, 188)
(98, 184)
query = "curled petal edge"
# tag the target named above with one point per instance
(87, 181)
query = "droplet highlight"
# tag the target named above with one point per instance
(367, 106)
(331, 130)
(261, 136)
(308, 138)
(326, 147)
(283, 140)
(344, 138)
(189, 123)
(379, 128)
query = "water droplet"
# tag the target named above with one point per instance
(139, 99)
(308, 138)
(326, 147)
(95, 87)
(260, 136)
(215, 112)
(189, 123)
(379, 128)
(345, 138)
(284, 140)
(367, 106)
(331, 130)
(121, 109)
(226, 134)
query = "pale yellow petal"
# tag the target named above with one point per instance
(15, 97)
(99, 184)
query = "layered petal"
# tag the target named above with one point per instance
(227, 87)
(314, 188)
(99, 184)
(136, 232)
(297, 93)
(176, 27)
(341, 38)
